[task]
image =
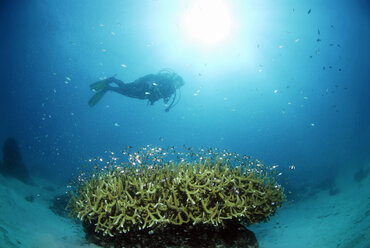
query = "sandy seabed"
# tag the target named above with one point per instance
(339, 221)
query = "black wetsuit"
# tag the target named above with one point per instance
(152, 87)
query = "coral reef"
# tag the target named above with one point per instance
(13, 165)
(209, 192)
(232, 235)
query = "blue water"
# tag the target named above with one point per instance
(288, 87)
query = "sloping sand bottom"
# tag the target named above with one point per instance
(338, 221)
(341, 220)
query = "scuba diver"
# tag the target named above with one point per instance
(153, 87)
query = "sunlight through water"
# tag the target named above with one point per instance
(208, 21)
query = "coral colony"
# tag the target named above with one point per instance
(208, 187)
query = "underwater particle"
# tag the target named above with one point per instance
(155, 84)
(260, 70)
(309, 11)
(101, 25)
(66, 82)
(318, 31)
(54, 73)
(147, 93)
(233, 110)
(104, 50)
(161, 139)
(258, 45)
(338, 45)
(113, 33)
(275, 91)
(296, 40)
(195, 94)
(323, 67)
(123, 66)
(281, 46)
(312, 124)
(289, 103)
(55, 91)
(68, 78)
(225, 98)
(305, 97)
(318, 40)
(340, 69)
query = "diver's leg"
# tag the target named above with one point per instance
(130, 90)
(118, 82)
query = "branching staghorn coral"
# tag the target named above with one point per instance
(209, 191)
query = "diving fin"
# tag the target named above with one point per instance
(100, 85)
(96, 98)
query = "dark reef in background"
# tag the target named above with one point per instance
(58, 205)
(233, 235)
(361, 174)
(12, 165)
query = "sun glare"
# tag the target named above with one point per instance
(208, 21)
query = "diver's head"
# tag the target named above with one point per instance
(178, 81)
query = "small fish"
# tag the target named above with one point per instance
(68, 78)
(318, 40)
(309, 11)
(147, 93)
(323, 67)
(338, 45)
(318, 31)
(116, 124)
(155, 84)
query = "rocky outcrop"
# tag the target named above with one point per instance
(12, 165)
